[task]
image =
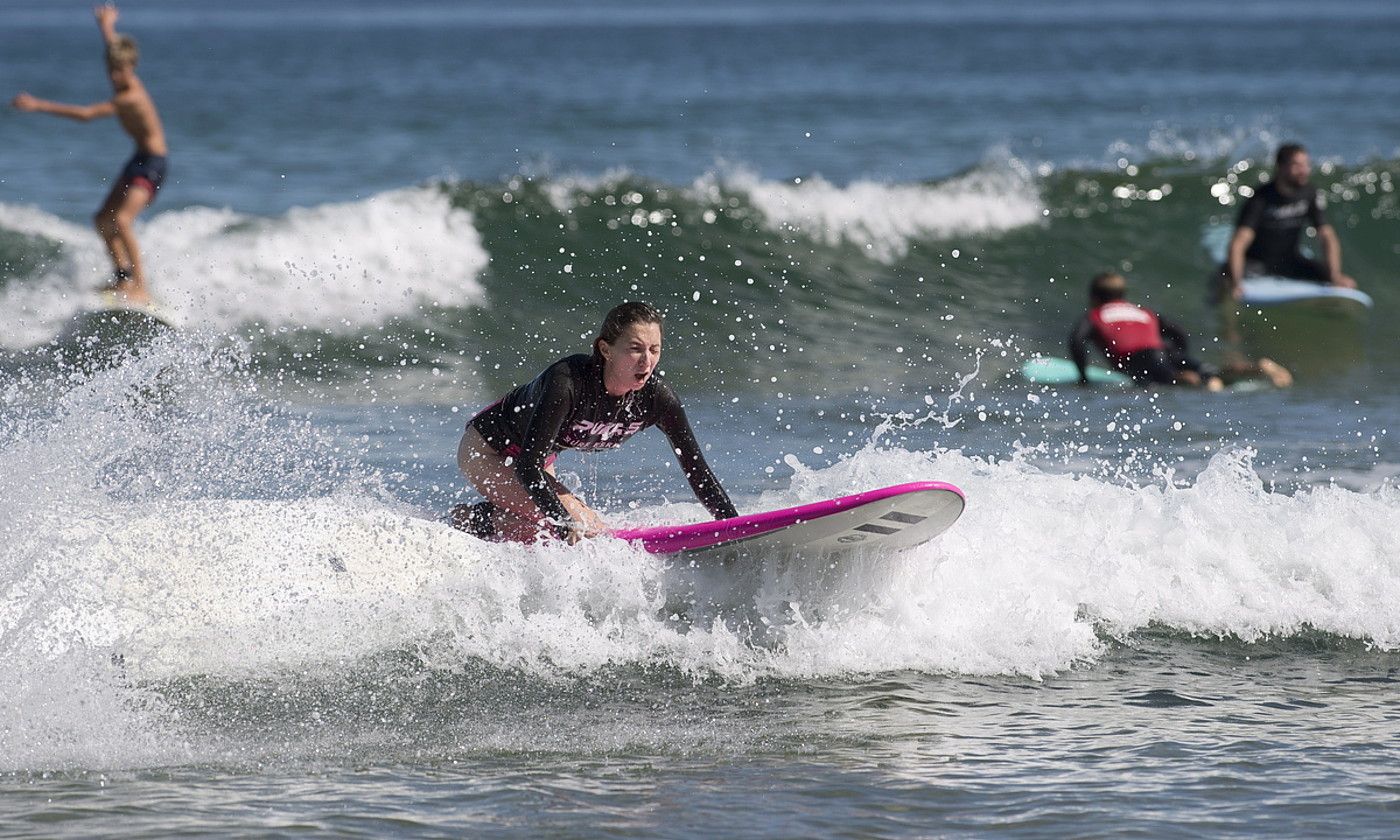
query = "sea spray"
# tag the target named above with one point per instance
(98, 464)
(336, 267)
(192, 533)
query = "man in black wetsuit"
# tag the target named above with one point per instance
(585, 402)
(1272, 222)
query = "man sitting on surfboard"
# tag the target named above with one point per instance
(585, 402)
(1148, 347)
(140, 179)
(1271, 224)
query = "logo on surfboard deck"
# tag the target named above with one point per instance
(895, 517)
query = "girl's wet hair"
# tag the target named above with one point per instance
(624, 315)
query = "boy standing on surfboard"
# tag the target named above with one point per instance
(141, 178)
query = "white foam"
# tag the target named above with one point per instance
(335, 266)
(181, 580)
(564, 193)
(1040, 561)
(1038, 569)
(83, 458)
(883, 219)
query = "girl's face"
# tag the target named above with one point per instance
(628, 362)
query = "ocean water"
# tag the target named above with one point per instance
(226, 606)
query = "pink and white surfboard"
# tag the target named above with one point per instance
(891, 518)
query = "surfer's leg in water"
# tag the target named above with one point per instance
(478, 519)
(513, 514)
(1159, 367)
(1195, 379)
(1275, 373)
(1148, 367)
(1190, 371)
(115, 222)
(1239, 368)
(1224, 298)
(116, 248)
(1301, 267)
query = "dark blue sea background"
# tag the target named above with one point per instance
(227, 606)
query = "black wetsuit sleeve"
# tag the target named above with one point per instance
(1316, 214)
(1079, 346)
(672, 421)
(547, 417)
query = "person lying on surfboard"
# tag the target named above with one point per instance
(585, 402)
(1148, 347)
(1271, 225)
(136, 187)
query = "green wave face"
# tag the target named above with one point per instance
(841, 307)
(799, 285)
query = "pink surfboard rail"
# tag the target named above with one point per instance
(668, 539)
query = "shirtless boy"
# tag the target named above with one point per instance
(141, 178)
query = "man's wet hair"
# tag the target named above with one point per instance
(1286, 153)
(123, 52)
(1107, 286)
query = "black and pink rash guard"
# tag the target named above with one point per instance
(567, 407)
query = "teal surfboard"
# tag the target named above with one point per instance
(1048, 370)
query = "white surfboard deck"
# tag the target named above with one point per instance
(109, 300)
(1265, 291)
(890, 519)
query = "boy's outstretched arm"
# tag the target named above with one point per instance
(82, 113)
(106, 21)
